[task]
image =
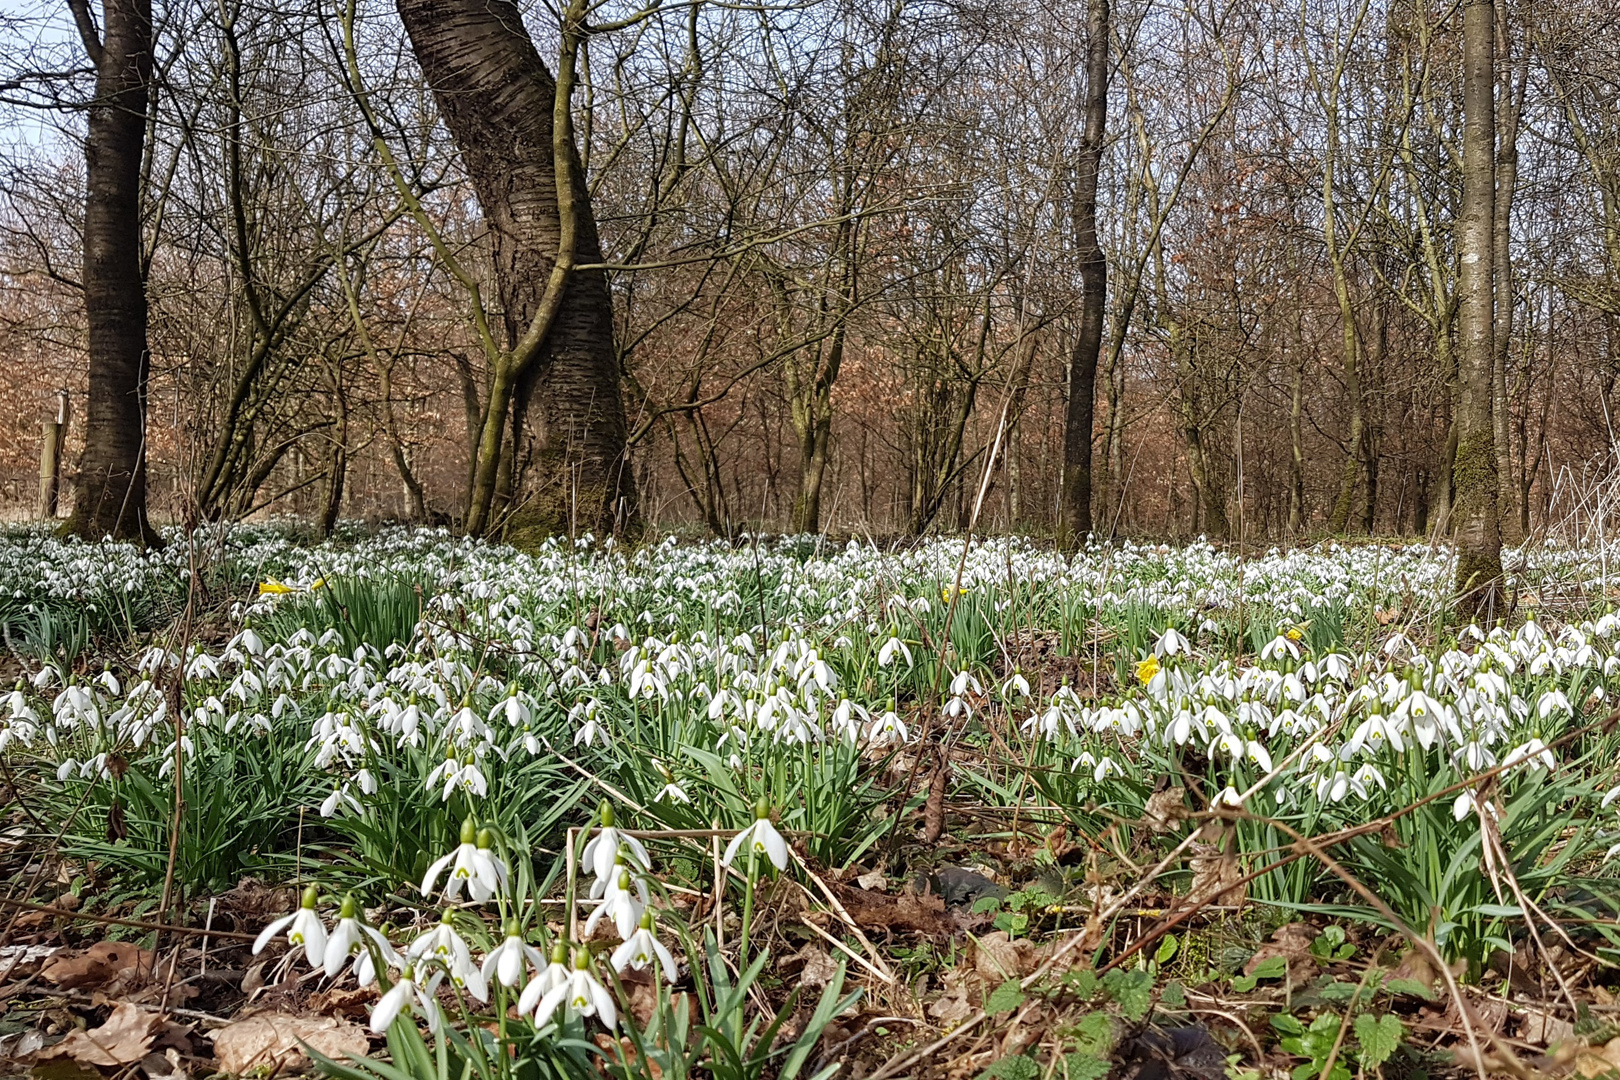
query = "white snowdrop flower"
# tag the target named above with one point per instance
(886, 729)
(582, 995)
(509, 962)
(1553, 702)
(643, 948)
(407, 992)
(1016, 684)
(1171, 643)
(473, 863)
(620, 905)
(351, 937)
(889, 650)
(761, 838)
(1535, 752)
(555, 974)
(303, 928)
(602, 850)
(443, 945)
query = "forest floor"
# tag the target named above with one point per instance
(403, 806)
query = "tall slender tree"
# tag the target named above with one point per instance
(1093, 265)
(1474, 481)
(110, 492)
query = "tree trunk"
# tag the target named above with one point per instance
(1474, 480)
(1507, 174)
(110, 495)
(499, 101)
(1093, 266)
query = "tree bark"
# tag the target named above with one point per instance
(110, 493)
(1093, 265)
(1474, 481)
(499, 101)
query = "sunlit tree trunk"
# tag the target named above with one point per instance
(110, 494)
(1474, 480)
(501, 104)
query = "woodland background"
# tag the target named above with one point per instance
(841, 241)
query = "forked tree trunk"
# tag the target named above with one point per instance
(110, 493)
(1474, 480)
(1082, 405)
(498, 98)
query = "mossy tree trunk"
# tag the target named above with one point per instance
(1474, 480)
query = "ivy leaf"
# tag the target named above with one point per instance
(1378, 1038)
(1167, 948)
(1004, 998)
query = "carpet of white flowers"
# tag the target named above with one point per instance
(413, 727)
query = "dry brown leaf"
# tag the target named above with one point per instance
(276, 1040)
(97, 966)
(1543, 1028)
(343, 1001)
(997, 957)
(123, 1039)
(953, 1006)
(1293, 943)
(818, 967)
(1164, 809)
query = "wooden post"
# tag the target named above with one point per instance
(54, 434)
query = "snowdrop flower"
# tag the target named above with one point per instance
(1552, 702)
(408, 992)
(887, 653)
(642, 948)
(888, 728)
(472, 862)
(508, 963)
(303, 929)
(349, 938)
(554, 975)
(1171, 643)
(671, 790)
(443, 945)
(761, 838)
(1535, 752)
(1016, 684)
(604, 848)
(620, 905)
(582, 995)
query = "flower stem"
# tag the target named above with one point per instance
(748, 908)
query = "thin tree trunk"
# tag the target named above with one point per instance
(110, 493)
(1474, 482)
(1507, 173)
(1082, 405)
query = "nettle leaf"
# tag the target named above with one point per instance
(1132, 991)
(1173, 995)
(1004, 998)
(1016, 1067)
(1084, 1067)
(1379, 1037)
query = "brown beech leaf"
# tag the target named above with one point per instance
(124, 1038)
(97, 966)
(275, 1041)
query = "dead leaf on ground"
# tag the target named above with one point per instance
(1217, 875)
(873, 881)
(97, 966)
(1543, 1028)
(997, 957)
(274, 1040)
(953, 1006)
(1293, 943)
(1164, 809)
(816, 966)
(125, 1038)
(343, 1001)
(908, 911)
